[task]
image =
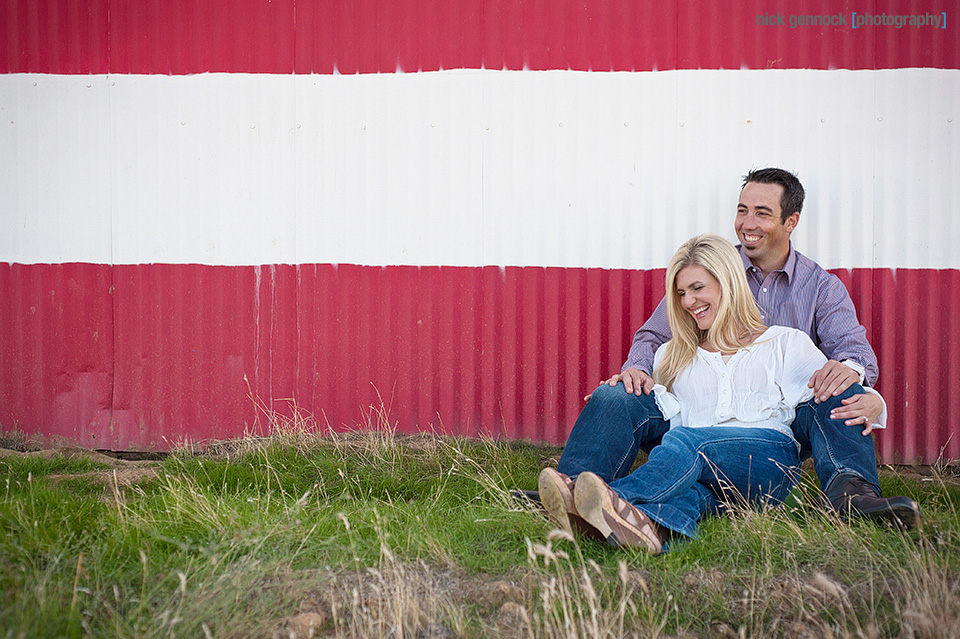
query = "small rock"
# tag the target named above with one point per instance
(304, 625)
(512, 612)
(499, 592)
(798, 630)
(436, 631)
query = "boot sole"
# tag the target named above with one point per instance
(595, 505)
(905, 516)
(552, 491)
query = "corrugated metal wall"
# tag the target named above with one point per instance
(174, 352)
(175, 240)
(143, 355)
(368, 36)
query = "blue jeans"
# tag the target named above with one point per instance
(615, 426)
(696, 470)
(835, 447)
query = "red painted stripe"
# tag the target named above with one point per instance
(918, 344)
(142, 356)
(57, 350)
(368, 36)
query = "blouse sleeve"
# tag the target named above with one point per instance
(667, 402)
(801, 359)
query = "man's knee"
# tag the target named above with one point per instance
(605, 393)
(854, 389)
(824, 408)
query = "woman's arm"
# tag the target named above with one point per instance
(667, 402)
(800, 356)
(801, 359)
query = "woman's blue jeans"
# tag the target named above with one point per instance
(696, 471)
(614, 426)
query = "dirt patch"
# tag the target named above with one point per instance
(117, 477)
(415, 600)
(948, 473)
(120, 474)
(113, 460)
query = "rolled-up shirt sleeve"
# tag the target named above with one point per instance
(881, 421)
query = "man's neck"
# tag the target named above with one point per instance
(770, 265)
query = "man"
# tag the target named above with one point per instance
(621, 416)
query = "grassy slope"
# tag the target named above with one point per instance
(389, 536)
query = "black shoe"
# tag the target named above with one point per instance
(527, 497)
(851, 496)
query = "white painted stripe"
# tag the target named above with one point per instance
(470, 167)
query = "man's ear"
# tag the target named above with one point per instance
(792, 220)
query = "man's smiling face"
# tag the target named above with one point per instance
(764, 236)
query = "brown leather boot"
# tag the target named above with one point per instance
(852, 496)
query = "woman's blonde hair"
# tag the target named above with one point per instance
(737, 311)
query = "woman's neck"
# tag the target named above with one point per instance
(745, 337)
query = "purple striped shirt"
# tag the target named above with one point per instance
(801, 295)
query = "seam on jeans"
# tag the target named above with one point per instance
(839, 468)
(623, 459)
(681, 480)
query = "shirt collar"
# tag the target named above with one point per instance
(788, 268)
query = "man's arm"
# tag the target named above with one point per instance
(637, 372)
(843, 340)
(654, 332)
(839, 333)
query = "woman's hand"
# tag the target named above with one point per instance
(859, 409)
(634, 381)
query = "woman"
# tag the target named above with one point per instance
(728, 385)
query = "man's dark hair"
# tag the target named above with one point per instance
(792, 200)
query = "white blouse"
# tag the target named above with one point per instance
(759, 387)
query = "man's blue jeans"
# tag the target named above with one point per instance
(696, 470)
(615, 426)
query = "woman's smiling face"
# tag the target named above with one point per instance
(699, 294)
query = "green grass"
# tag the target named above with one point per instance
(382, 535)
(19, 469)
